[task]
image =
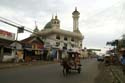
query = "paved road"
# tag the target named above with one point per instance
(51, 73)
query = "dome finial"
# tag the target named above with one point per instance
(36, 27)
(52, 16)
(75, 12)
(56, 16)
(75, 8)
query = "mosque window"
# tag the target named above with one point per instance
(57, 22)
(65, 45)
(81, 45)
(72, 39)
(65, 38)
(72, 45)
(57, 43)
(58, 37)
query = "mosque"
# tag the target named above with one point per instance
(54, 36)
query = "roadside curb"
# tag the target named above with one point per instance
(14, 65)
(6, 66)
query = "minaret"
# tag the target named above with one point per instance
(75, 16)
(36, 28)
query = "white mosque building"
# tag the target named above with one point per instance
(54, 36)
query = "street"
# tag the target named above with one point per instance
(51, 73)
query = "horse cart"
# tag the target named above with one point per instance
(71, 63)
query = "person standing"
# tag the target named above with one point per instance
(123, 61)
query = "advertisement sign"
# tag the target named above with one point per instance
(7, 35)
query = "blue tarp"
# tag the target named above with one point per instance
(54, 53)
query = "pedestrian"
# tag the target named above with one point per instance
(19, 56)
(49, 54)
(123, 61)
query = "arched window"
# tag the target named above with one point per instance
(57, 22)
(58, 37)
(65, 38)
(72, 45)
(81, 45)
(72, 39)
(57, 44)
(65, 45)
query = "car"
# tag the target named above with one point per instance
(100, 58)
(107, 59)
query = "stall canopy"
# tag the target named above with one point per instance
(5, 43)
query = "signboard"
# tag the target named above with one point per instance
(95, 49)
(7, 35)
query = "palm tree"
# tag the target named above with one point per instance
(113, 43)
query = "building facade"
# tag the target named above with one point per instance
(54, 36)
(6, 38)
(121, 43)
(32, 48)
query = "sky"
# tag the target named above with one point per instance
(100, 20)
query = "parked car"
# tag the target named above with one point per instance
(100, 58)
(107, 59)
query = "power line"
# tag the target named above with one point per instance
(9, 22)
(2, 18)
(14, 24)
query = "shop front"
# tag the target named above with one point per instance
(31, 54)
(6, 38)
(5, 50)
(33, 49)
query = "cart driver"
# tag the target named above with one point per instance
(64, 57)
(77, 60)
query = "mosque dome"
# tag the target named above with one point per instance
(54, 22)
(48, 25)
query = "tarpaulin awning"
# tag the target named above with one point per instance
(122, 49)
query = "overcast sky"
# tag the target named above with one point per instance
(100, 20)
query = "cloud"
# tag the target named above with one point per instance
(100, 20)
(35, 6)
(102, 26)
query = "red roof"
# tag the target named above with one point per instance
(32, 39)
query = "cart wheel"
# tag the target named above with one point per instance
(79, 70)
(65, 71)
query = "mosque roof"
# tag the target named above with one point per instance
(48, 25)
(60, 31)
(76, 12)
(52, 21)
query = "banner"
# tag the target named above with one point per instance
(7, 35)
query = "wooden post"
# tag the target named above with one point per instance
(1, 53)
